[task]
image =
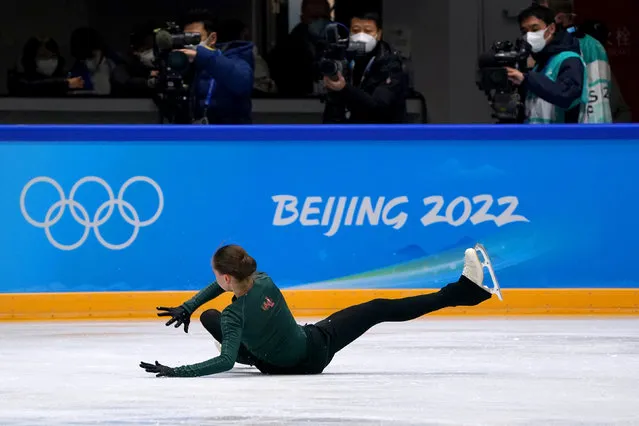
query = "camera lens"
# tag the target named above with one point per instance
(192, 39)
(328, 68)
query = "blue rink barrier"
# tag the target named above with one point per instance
(143, 208)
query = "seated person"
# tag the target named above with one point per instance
(94, 62)
(42, 71)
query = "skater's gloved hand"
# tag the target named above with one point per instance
(178, 316)
(158, 369)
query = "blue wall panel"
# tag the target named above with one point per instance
(144, 208)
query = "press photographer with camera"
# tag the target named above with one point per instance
(135, 76)
(220, 78)
(556, 88)
(375, 86)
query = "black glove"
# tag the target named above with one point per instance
(179, 314)
(161, 370)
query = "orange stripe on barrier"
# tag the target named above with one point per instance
(314, 303)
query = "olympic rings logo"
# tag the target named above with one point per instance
(81, 216)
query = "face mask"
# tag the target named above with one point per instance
(367, 40)
(147, 57)
(93, 63)
(47, 66)
(536, 40)
(206, 42)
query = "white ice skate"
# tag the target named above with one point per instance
(474, 269)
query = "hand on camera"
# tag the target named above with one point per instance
(515, 76)
(335, 86)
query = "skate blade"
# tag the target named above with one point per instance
(496, 289)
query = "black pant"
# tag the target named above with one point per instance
(212, 321)
(343, 327)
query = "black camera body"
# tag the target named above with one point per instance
(335, 50)
(173, 85)
(178, 39)
(492, 78)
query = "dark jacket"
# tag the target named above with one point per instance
(35, 84)
(292, 63)
(378, 97)
(30, 82)
(231, 69)
(570, 80)
(132, 79)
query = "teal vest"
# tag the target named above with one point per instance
(598, 109)
(539, 111)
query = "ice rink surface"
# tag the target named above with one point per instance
(428, 372)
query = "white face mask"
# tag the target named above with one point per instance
(368, 40)
(147, 57)
(206, 42)
(536, 40)
(47, 66)
(93, 64)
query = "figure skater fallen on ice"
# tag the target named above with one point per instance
(258, 329)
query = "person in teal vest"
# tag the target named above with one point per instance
(556, 88)
(594, 55)
(621, 112)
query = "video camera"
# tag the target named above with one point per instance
(335, 50)
(173, 90)
(492, 78)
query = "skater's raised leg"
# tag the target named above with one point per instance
(348, 324)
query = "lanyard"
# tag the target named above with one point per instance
(366, 70)
(207, 100)
(209, 95)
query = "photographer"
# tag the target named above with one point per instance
(556, 87)
(223, 79)
(135, 77)
(377, 85)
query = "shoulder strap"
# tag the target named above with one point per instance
(556, 60)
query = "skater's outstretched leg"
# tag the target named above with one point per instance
(348, 324)
(212, 322)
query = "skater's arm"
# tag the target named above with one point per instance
(205, 295)
(232, 324)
